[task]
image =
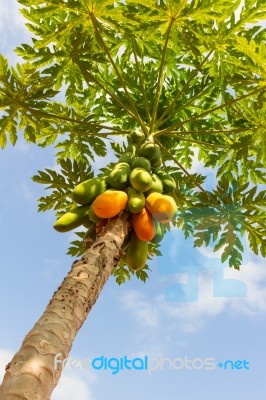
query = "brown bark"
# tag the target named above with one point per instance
(31, 374)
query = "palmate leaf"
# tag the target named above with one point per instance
(190, 74)
(61, 183)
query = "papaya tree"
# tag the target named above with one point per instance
(156, 84)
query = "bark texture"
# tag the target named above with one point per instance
(31, 374)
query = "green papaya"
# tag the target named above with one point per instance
(92, 216)
(140, 179)
(152, 152)
(156, 186)
(127, 158)
(119, 177)
(136, 201)
(87, 191)
(137, 253)
(142, 162)
(137, 136)
(159, 232)
(168, 182)
(71, 219)
(90, 235)
(157, 163)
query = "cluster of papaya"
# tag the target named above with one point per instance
(137, 183)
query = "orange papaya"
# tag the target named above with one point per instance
(110, 203)
(143, 225)
(161, 207)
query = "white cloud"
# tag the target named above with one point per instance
(190, 316)
(73, 385)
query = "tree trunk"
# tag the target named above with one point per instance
(31, 374)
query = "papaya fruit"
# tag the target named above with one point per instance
(140, 179)
(92, 216)
(137, 136)
(143, 225)
(110, 203)
(85, 192)
(159, 232)
(142, 162)
(152, 152)
(136, 201)
(161, 207)
(71, 219)
(137, 253)
(156, 185)
(119, 176)
(157, 163)
(127, 158)
(168, 182)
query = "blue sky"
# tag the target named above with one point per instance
(226, 322)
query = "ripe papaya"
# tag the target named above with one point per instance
(137, 136)
(143, 225)
(137, 253)
(168, 182)
(152, 152)
(110, 203)
(142, 162)
(87, 191)
(136, 201)
(92, 216)
(71, 219)
(127, 158)
(156, 186)
(159, 229)
(161, 207)
(140, 179)
(119, 176)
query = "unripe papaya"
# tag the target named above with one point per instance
(161, 207)
(140, 179)
(92, 216)
(127, 158)
(137, 136)
(157, 163)
(143, 225)
(168, 182)
(110, 203)
(142, 162)
(119, 177)
(87, 191)
(137, 253)
(152, 152)
(159, 229)
(156, 186)
(136, 201)
(71, 219)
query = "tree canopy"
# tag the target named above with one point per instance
(190, 74)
